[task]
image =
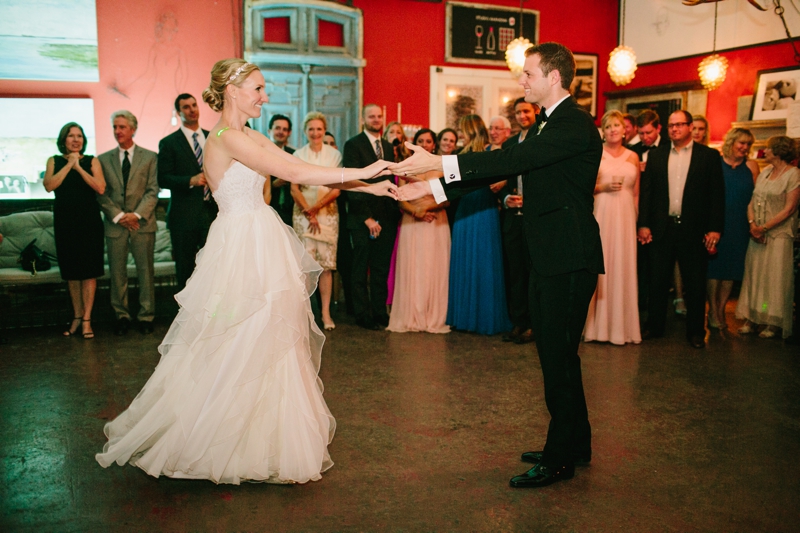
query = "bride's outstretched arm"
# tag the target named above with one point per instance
(241, 147)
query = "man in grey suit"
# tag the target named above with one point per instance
(129, 204)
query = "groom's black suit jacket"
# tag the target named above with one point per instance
(559, 168)
(177, 164)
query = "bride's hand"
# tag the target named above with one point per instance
(415, 190)
(382, 188)
(377, 169)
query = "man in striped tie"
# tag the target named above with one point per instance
(180, 169)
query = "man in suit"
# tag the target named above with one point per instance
(631, 130)
(280, 128)
(499, 131)
(180, 169)
(559, 161)
(372, 221)
(681, 216)
(129, 204)
(648, 127)
(515, 247)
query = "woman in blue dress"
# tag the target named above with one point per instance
(477, 296)
(727, 265)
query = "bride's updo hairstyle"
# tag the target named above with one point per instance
(226, 72)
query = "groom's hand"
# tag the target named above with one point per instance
(421, 162)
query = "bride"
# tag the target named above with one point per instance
(236, 396)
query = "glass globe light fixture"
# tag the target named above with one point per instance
(622, 65)
(712, 71)
(515, 55)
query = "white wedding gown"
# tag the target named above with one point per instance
(236, 395)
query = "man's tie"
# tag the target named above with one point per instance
(541, 118)
(378, 149)
(198, 153)
(126, 173)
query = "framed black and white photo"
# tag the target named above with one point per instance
(776, 90)
(584, 86)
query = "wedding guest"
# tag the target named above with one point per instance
(499, 131)
(330, 140)
(427, 139)
(727, 265)
(477, 295)
(613, 312)
(77, 179)
(447, 141)
(316, 217)
(700, 129)
(768, 285)
(396, 136)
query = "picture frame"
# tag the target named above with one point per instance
(478, 34)
(584, 85)
(775, 91)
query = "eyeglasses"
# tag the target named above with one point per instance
(678, 125)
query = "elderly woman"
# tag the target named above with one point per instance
(768, 285)
(613, 312)
(316, 217)
(477, 295)
(77, 179)
(727, 265)
(447, 141)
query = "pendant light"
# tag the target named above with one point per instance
(515, 51)
(622, 60)
(713, 69)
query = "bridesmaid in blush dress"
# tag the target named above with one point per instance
(614, 311)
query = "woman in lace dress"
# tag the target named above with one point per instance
(768, 286)
(316, 217)
(236, 395)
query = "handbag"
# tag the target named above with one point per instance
(33, 259)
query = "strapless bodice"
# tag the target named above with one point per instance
(240, 190)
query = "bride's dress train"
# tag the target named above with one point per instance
(236, 395)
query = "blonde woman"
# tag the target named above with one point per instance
(316, 217)
(237, 396)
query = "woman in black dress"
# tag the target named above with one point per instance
(78, 227)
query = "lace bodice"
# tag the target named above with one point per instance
(240, 190)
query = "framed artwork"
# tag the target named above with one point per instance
(480, 33)
(776, 90)
(584, 86)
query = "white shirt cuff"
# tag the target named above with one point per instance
(450, 168)
(437, 190)
(115, 220)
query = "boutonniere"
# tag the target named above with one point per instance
(540, 127)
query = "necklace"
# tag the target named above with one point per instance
(773, 175)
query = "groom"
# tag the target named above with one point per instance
(558, 160)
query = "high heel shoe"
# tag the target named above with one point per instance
(73, 330)
(87, 334)
(767, 333)
(746, 329)
(328, 326)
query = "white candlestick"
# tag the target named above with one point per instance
(399, 112)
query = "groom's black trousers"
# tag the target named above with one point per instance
(559, 305)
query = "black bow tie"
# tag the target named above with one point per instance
(541, 118)
(647, 147)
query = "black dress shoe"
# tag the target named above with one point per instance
(383, 321)
(122, 327)
(368, 324)
(145, 327)
(536, 458)
(525, 337)
(697, 341)
(512, 335)
(541, 476)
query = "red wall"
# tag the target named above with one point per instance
(402, 38)
(743, 66)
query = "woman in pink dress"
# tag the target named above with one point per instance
(614, 310)
(422, 270)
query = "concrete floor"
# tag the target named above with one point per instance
(430, 428)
